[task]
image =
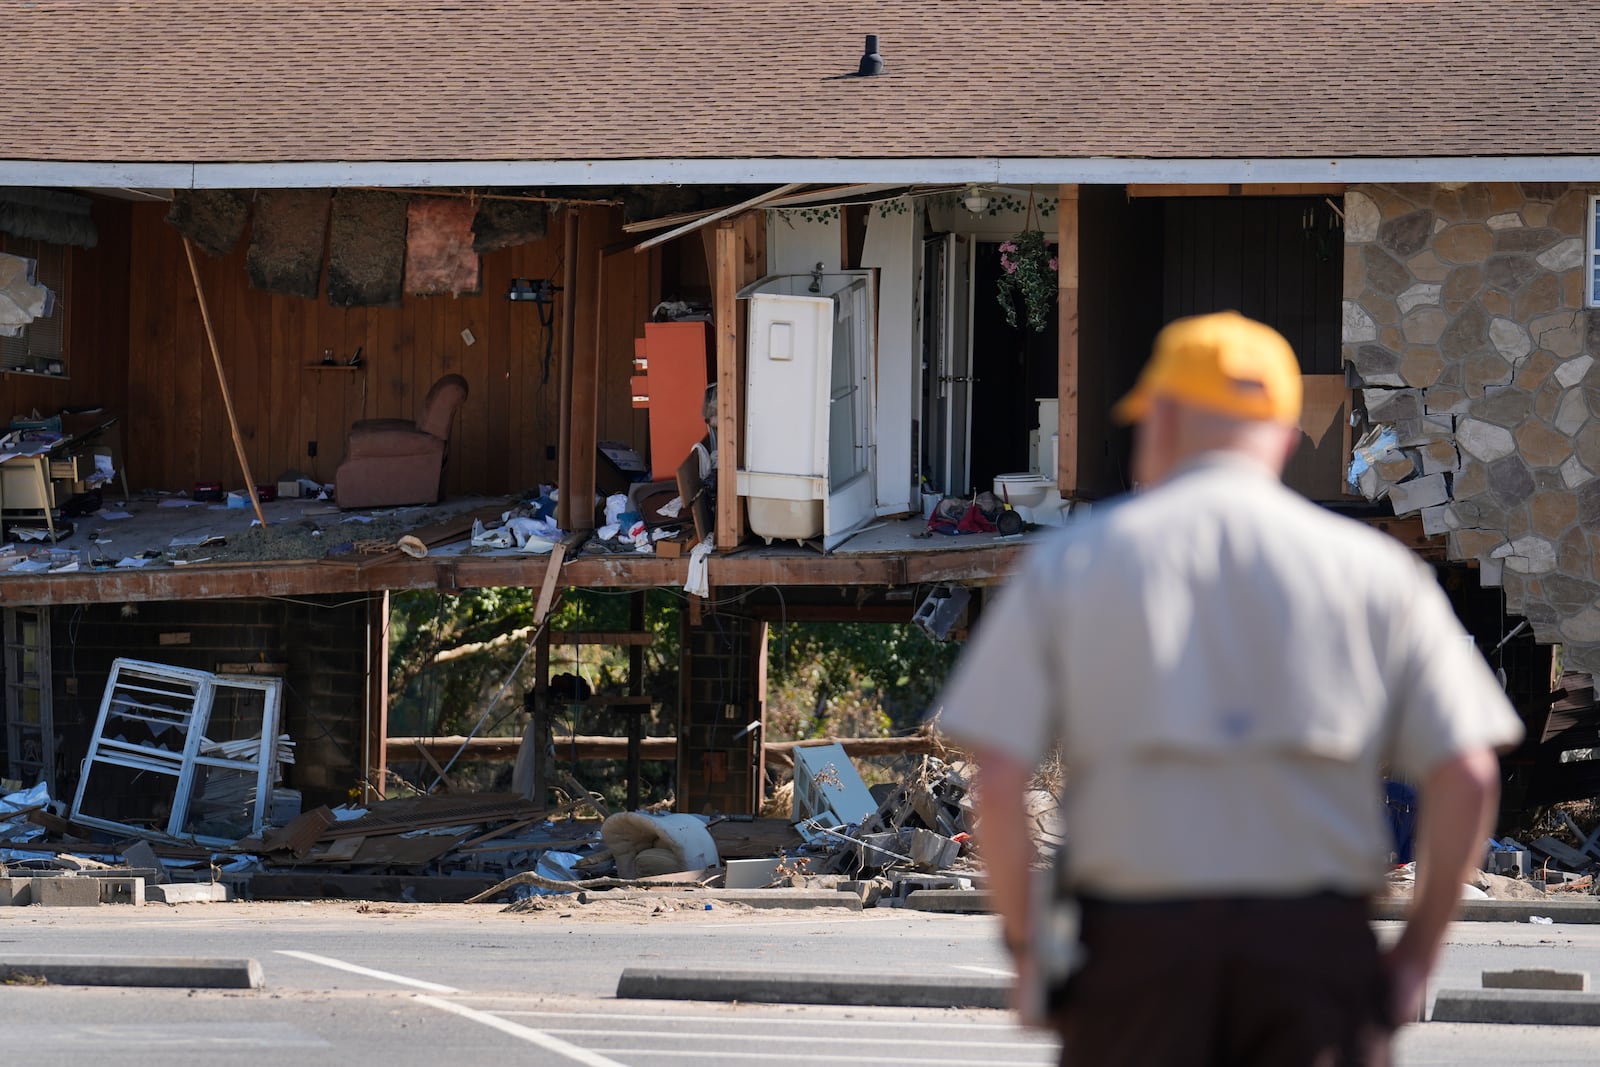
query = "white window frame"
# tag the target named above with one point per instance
(1591, 264)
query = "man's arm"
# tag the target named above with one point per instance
(1008, 857)
(1455, 818)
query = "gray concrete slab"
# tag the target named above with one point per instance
(752, 986)
(1537, 978)
(949, 901)
(1501, 911)
(187, 893)
(1528, 1007)
(167, 972)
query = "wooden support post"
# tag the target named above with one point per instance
(569, 333)
(585, 417)
(222, 383)
(1067, 349)
(725, 310)
(376, 767)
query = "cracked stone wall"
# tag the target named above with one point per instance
(1475, 360)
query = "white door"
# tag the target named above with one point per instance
(852, 480)
(947, 361)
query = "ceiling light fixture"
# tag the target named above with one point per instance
(976, 199)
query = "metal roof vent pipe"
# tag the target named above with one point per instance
(871, 62)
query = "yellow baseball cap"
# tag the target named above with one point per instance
(1222, 362)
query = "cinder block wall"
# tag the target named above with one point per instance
(323, 643)
(1464, 320)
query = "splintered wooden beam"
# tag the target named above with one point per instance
(222, 382)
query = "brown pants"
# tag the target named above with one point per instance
(1227, 982)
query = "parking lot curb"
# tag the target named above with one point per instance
(1530, 1007)
(856, 990)
(796, 899)
(166, 972)
(1501, 911)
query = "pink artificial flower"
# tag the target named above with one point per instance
(1009, 246)
(1053, 262)
(1009, 265)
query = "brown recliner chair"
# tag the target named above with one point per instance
(390, 462)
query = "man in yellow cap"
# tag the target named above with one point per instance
(1228, 670)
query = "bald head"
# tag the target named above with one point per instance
(1172, 433)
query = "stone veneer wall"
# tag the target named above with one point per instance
(1464, 322)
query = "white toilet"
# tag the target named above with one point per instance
(1033, 493)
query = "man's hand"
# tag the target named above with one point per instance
(1454, 819)
(1408, 984)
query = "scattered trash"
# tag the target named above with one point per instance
(1541, 920)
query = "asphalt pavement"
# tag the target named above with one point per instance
(402, 984)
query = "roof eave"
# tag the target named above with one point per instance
(610, 172)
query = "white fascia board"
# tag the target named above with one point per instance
(1098, 171)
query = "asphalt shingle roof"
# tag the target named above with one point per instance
(362, 80)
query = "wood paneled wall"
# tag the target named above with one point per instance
(97, 327)
(177, 429)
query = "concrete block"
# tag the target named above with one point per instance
(949, 901)
(15, 891)
(168, 972)
(122, 891)
(1513, 1007)
(67, 892)
(188, 893)
(1537, 978)
(870, 891)
(1424, 492)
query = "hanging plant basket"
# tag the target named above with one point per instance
(1028, 287)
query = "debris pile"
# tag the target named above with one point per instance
(879, 846)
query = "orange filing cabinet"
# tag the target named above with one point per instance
(671, 382)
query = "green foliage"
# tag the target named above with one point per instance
(449, 655)
(851, 679)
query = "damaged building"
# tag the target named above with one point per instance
(276, 346)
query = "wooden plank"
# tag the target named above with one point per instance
(310, 578)
(552, 579)
(729, 520)
(375, 755)
(1067, 343)
(583, 425)
(1408, 531)
(568, 313)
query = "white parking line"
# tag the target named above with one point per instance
(789, 1057)
(997, 972)
(811, 1039)
(354, 968)
(533, 1037)
(744, 1020)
